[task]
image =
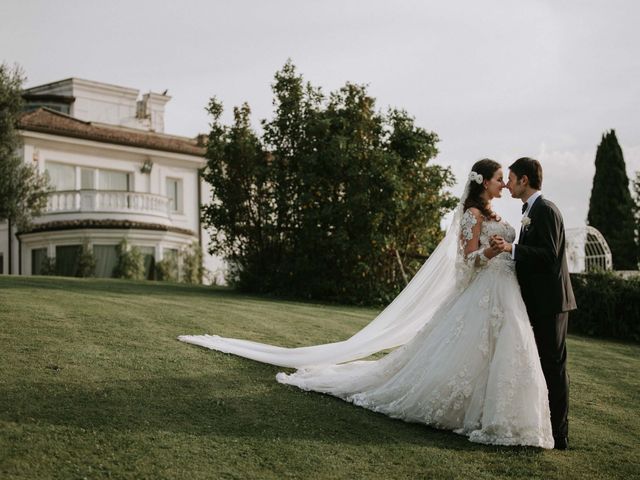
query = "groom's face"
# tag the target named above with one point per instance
(515, 186)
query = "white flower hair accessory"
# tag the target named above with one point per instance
(526, 221)
(475, 177)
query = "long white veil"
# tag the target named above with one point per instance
(430, 288)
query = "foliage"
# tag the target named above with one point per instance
(335, 201)
(23, 191)
(84, 394)
(86, 261)
(636, 209)
(192, 264)
(608, 306)
(48, 266)
(167, 269)
(611, 206)
(130, 262)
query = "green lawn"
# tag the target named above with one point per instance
(94, 384)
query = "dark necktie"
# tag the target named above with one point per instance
(524, 207)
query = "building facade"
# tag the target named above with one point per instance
(116, 176)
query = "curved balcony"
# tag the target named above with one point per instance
(108, 202)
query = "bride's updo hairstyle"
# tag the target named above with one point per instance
(485, 167)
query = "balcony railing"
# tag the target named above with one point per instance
(80, 201)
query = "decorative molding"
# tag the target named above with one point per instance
(103, 224)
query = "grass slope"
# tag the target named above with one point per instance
(93, 384)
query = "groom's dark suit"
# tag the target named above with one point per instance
(541, 267)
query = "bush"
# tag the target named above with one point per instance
(130, 262)
(608, 306)
(192, 264)
(167, 269)
(86, 261)
(48, 266)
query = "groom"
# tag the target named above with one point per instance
(541, 267)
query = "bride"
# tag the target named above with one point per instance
(464, 356)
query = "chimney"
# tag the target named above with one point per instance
(152, 107)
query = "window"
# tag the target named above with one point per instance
(87, 178)
(113, 180)
(174, 192)
(67, 260)
(59, 107)
(38, 256)
(61, 176)
(106, 260)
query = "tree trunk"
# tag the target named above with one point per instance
(404, 275)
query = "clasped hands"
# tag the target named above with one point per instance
(497, 245)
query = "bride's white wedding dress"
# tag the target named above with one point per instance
(474, 368)
(465, 360)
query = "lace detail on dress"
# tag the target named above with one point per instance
(468, 265)
(467, 223)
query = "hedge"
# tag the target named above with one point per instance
(608, 306)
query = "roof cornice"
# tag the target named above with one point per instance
(55, 123)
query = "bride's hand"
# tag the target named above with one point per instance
(500, 243)
(492, 250)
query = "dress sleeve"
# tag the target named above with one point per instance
(470, 228)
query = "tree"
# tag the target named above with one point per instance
(335, 201)
(23, 191)
(240, 213)
(611, 206)
(636, 209)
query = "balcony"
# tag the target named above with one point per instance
(123, 204)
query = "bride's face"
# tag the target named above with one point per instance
(495, 185)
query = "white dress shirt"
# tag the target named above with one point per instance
(530, 201)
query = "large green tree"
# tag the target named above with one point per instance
(22, 189)
(335, 201)
(611, 205)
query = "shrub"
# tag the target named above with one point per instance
(86, 261)
(192, 264)
(130, 262)
(608, 306)
(48, 266)
(167, 269)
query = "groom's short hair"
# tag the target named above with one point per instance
(529, 167)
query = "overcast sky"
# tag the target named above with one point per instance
(498, 79)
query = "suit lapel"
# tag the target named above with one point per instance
(532, 210)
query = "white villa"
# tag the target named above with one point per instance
(116, 176)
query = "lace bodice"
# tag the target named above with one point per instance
(476, 259)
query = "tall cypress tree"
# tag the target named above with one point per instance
(611, 205)
(636, 211)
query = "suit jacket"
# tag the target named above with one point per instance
(541, 262)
